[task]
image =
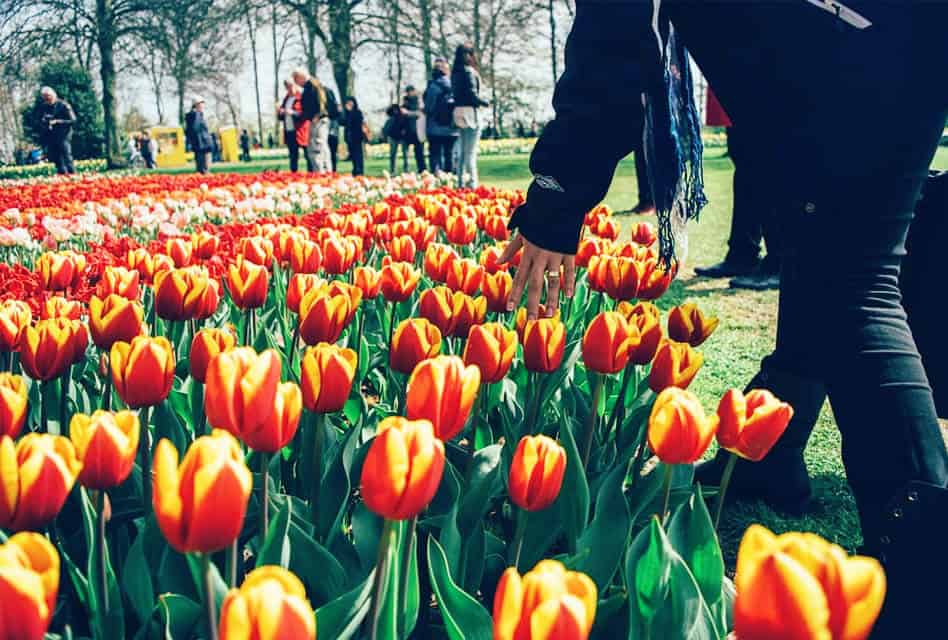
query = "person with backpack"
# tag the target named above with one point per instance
(336, 119)
(393, 130)
(356, 135)
(466, 83)
(439, 112)
(412, 110)
(314, 112)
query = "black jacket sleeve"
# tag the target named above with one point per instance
(309, 102)
(475, 84)
(612, 57)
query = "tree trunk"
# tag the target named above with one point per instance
(424, 7)
(340, 45)
(276, 53)
(553, 54)
(252, 32)
(180, 83)
(477, 26)
(106, 42)
(397, 42)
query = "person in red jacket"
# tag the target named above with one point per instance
(295, 130)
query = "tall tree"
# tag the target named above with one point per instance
(252, 16)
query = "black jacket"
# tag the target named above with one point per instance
(312, 100)
(61, 111)
(196, 132)
(353, 124)
(466, 84)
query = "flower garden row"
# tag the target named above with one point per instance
(315, 414)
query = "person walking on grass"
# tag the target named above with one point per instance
(57, 118)
(198, 136)
(295, 129)
(827, 74)
(393, 131)
(355, 129)
(466, 85)
(412, 110)
(439, 118)
(313, 111)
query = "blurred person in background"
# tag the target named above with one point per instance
(412, 110)
(355, 136)
(393, 130)
(58, 118)
(439, 118)
(466, 85)
(313, 99)
(244, 146)
(295, 130)
(198, 136)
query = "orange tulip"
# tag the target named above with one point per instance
(414, 340)
(277, 430)
(675, 365)
(798, 585)
(271, 603)
(465, 275)
(338, 254)
(496, 289)
(598, 272)
(520, 320)
(323, 316)
(29, 585)
(368, 280)
(544, 342)
(327, 372)
(51, 347)
(655, 281)
(607, 342)
(247, 283)
(678, 430)
(13, 404)
(106, 444)
(402, 469)
(687, 323)
(402, 249)
(622, 277)
(240, 389)
(15, 316)
(256, 249)
(491, 348)
(442, 390)
(398, 281)
(60, 307)
(438, 259)
(209, 301)
(120, 281)
(606, 228)
(180, 250)
(496, 227)
(60, 271)
(38, 474)
(460, 230)
(143, 262)
(293, 241)
(305, 257)
(589, 247)
(468, 312)
(752, 424)
(200, 505)
(489, 258)
(142, 370)
(536, 473)
(437, 306)
(646, 317)
(114, 319)
(205, 244)
(644, 234)
(299, 285)
(548, 602)
(181, 294)
(205, 346)
(354, 293)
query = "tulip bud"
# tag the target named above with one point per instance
(460, 230)
(29, 582)
(200, 505)
(598, 273)
(607, 342)
(247, 283)
(15, 316)
(402, 469)
(402, 249)
(437, 306)
(38, 474)
(368, 280)
(465, 275)
(489, 260)
(589, 247)
(752, 424)
(257, 250)
(491, 348)
(548, 602)
(205, 244)
(13, 404)
(180, 293)
(678, 430)
(468, 312)
(496, 290)
(442, 390)
(277, 430)
(623, 277)
(180, 251)
(338, 255)
(544, 342)
(496, 227)
(536, 473)
(644, 234)
(675, 365)
(60, 271)
(205, 346)
(327, 372)
(438, 259)
(398, 281)
(51, 347)
(520, 320)
(647, 319)
(60, 307)
(655, 281)
(271, 602)
(798, 585)
(114, 319)
(106, 444)
(240, 389)
(323, 316)
(305, 257)
(299, 285)
(209, 301)
(143, 370)
(119, 281)
(687, 323)
(414, 340)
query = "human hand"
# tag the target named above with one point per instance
(537, 264)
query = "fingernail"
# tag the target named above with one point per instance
(510, 306)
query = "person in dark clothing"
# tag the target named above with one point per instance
(244, 146)
(337, 118)
(439, 118)
(198, 136)
(145, 146)
(295, 132)
(57, 119)
(827, 76)
(313, 111)
(355, 136)
(466, 84)
(393, 130)
(411, 110)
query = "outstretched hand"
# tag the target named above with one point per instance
(537, 265)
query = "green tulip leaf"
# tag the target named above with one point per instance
(136, 576)
(607, 536)
(276, 549)
(341, 618)
(179, 615)
(480, 485)
(573, 501)
(692, 535)
(464, 617)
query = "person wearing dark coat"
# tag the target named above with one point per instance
(827, 73)
(198, 135)
(412, 110)
(57, 119)
(466, 84)
(439, 116)
(355, 136)
(244, 146)
(393, 130)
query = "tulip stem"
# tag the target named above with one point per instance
(232, 562)
(593, 415)
(535, 405)
(520, 532)
(144, 450)
(409, 551)
(381, 569)
(264, 491)
(722, 490)
(44, 410)
(318, 438)
(296, 339)
(209, 596)
(248, 328)
(669, 469)
(107, 392)
(615, 421)
(103, 561)
(64, 402)
(391, 324)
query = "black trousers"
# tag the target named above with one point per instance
(357, 156)
(419, 149)
(334, 151)
(60, 154)
(440, 150)
(754, 212)
(641, 178)
(201, 161)
(289, 137)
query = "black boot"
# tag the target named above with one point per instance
(729, 268)
(781, 478)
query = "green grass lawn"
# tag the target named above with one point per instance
(746, 334)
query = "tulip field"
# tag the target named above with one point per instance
(283, 406)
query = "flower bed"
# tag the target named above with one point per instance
(233, 404)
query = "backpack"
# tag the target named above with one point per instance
(332, 105)
(444, 108)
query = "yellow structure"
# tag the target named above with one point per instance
(171, 152)
(229, 151)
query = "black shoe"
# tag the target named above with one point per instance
(727, 269)
(643, 208)
(759, 280)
